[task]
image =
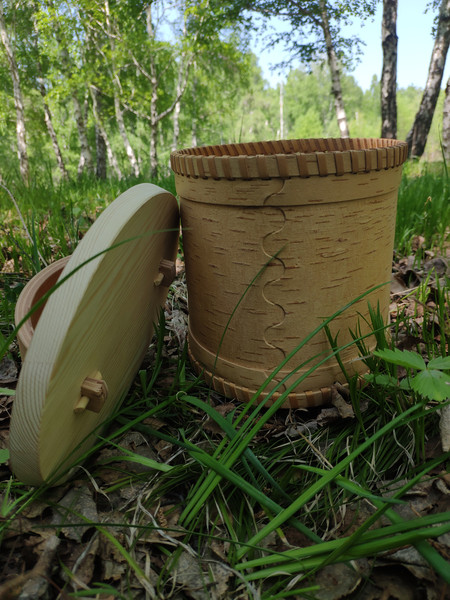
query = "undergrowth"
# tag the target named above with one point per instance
(271, 495)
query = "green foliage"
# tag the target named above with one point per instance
(428, 380)
(423, 208)
(75, 47)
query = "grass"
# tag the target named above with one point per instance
(423, 210)
(268, 495)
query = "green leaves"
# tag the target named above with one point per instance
(432, 384)
(403, 358)
(4, 456)
(431, 381)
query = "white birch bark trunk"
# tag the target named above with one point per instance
(336, 88)
(112, 160)
(184, 66)
(124, 135)
(51, 130)
(281, 111)
(85, 163)
(117, 106)
(100, 154)
(389, 41)
(153, 101)
(22, 151)
(176, 125)
(446, 123)
(194, 118)
(47, 112)
(417, 137)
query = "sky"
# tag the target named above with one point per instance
(415, 43)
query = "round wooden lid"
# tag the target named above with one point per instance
(93, 333)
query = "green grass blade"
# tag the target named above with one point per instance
(308, 494)
(241, 441)
(231, 433)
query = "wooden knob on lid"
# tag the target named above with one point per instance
(94, 392)
(166, 275)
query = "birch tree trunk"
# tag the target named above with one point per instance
(117, 106)
(446, 123)
(176, 125)
(51, 129)
(18, 101)
(102, 133)
(124, 135)
(194, 118)
(153, 100)
(417, 137)
(155, 117)
(336, 88)
(100, 154)
(86, 162)
(281, 110)
(389, 41)
(47, 112)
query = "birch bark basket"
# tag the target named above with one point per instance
(278, 236)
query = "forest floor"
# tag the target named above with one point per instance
(63, 542)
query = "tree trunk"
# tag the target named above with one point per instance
(124, 135)
(51, 129)
(85, 162)
(417, 137)
(176, 125)
(335, 74)
(100, 154)
(184, 66)
(194, 117)
(102, 133)
(18, 101)
(47, 112)
(153, 100)
(117, 106)
(389, 42)
(446, 123)
(281, 111)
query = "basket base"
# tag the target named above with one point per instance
(306, 399)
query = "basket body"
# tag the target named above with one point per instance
(277, 237)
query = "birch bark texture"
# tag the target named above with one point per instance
(336, 88)
(95, 95)
(184, 66)
(22, 152)
(389, 42)
(50, 128)
(117, 91)
(446, 123)
(417, 137)
(315, 30)
(40, 80)
(85, 162)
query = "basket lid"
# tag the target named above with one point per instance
(289, 158)
(93, 333)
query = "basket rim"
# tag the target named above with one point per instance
(289, 158)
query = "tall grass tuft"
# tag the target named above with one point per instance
(423, 209)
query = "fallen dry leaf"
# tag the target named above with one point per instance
(339, 581)
(8, 371)
(344, 408)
